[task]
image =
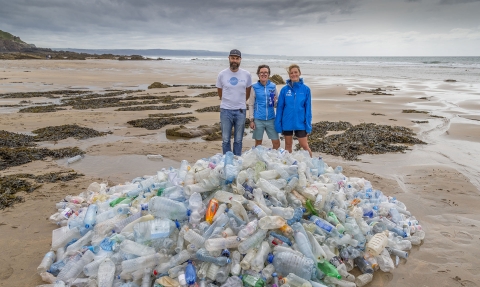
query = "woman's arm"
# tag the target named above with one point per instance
(278, 117)
(251, 104)
(308, 112)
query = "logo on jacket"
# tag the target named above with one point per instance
(233, 81)
(289, 93)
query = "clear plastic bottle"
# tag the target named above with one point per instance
(286, 262)
(90, 216)
(236, 268)
(196, 207)
(77, 245)
(252, 241)
(304, 245)
(194, 238)
(272, 190)
(249, 229)
(163, 207)
(74, 159)
(203, 255)
(295, 281)
(47, 261)
(257, 264)
(220, 243)
(91, 269)
(363, 279)
(65, 238)
(257, 210)
(142, 262)
(106, 273)
(135, 248)
(286, 213)
(153, 229)
(147, 277)
(120, 225)
(245, 263)
(72, 269)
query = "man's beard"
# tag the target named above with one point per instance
(234, 65)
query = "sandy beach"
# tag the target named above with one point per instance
(439, 184)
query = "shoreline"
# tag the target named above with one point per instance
(427, 178)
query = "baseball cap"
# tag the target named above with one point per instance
(235, 52)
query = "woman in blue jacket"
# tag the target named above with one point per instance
(261, 107)
(294, 110)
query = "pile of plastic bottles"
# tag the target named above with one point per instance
(267, 218)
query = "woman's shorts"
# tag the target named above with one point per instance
(298, 134)
(261, 126)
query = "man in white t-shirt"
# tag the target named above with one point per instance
(234, 85)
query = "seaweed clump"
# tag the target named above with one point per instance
(207, 95)
(65, 131)
(209, 109)
(9, 139)
(166, 115)
(158, 123)
(147, 108)
(20, 155)
(11, 184)
(414, 112)
(41, 109)
(366, 138)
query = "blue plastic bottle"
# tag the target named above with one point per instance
(190, 273)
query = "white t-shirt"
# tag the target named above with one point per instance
(233, 85)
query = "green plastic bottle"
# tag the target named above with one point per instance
(332, 218)
(116, 201)
(328, 269)
(160, 191)
(251, 281)
(310, 207)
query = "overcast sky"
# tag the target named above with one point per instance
(280, 27)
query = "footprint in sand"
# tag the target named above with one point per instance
(6, 271)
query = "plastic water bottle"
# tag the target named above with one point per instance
(90, 216)
(190, 273)
(220, 243)
(47, 261)
(252, 241)
(295, 281)
(286, 262)
(147, 277)
(203, 255)
(74, 159)
(258, 263)
(155, 156)
(153, 229)
(135, 248)
(65, 238)
(377, 243)
(162, 207)
(363, 279)
(323, 224)
(71, 270)
(194, 238)
(106, 272)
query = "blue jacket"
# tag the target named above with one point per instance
(263, 108)
(294, 108)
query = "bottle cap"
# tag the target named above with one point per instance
(270, 258)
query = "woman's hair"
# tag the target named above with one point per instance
(263, 66)
(293, 66)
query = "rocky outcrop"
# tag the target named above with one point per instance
(158, 85)
(277, 79)
(203, 130)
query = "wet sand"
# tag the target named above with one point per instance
(438, 183)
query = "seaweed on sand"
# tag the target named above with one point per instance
(20, 155)
(55, 133)
(365, 138)
(158, 123)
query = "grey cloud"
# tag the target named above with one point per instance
(450, 2)
(166, 17)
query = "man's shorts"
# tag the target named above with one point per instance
(299, 134)
(268, 126)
